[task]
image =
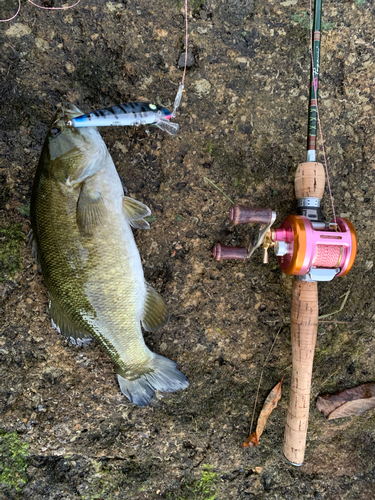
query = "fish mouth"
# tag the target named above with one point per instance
(67, 113)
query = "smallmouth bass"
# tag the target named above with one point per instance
(82, 238)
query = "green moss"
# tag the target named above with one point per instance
(13, 460)
(24, 209)
(150, 218)
(202, 489)
(106, 482)
(303, 18)
(11, 238)
(326, 26)
(197, 6)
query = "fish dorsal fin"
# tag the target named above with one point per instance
(155, 313)
(63, 324)
(135, 211)
(90, 210)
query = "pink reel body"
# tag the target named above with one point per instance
(302, 245)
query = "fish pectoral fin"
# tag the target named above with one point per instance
(63, 324)
(140, 224)
(135, 211)
(155, 314)
(90, 210)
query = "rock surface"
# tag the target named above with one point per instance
(243, 122)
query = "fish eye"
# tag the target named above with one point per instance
(55, 131)
(152, 106)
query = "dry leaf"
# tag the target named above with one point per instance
(269, 405)
(252, 440)
(353, 401)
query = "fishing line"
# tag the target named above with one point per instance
(39, 7)
(318, 117)
(181, 85)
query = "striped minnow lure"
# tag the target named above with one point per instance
(132, 113)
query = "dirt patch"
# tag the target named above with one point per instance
(243, 123)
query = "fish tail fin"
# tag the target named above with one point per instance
(160, 374)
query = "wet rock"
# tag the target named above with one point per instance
(203, 15)
(190, 61)
(202, 86)
(51, 374)
(17, 30)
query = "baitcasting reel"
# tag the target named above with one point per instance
(313, 251)
(304, 246)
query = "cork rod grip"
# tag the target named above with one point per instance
(304, 325)
(309, 180)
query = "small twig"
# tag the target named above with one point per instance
(222, 192)
(260, 380)
(346, 295)
(336, 321)
(326, 380)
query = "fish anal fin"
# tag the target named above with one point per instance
(155, 314)
(135, 211)
(64, 325)
(90, 210)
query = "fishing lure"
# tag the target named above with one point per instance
(129, 114)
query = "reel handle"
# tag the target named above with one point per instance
(304, 327)
(241, 215)
(221, 252)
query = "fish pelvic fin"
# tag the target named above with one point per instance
(31, 242)
(140, 224)
(160, 374)
(135, 211)
(155, 313)
(64, 325)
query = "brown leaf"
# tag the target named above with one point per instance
(252, 440)
(352, 408)
(346, 403)
(269, 405)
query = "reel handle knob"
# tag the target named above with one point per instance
(241, 215)
(221, 252)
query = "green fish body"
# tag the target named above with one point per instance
(82, 238)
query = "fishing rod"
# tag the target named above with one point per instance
(306, 247)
